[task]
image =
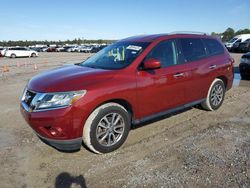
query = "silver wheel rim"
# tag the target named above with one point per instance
(217, 95)
(110, 129)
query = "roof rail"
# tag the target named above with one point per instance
(189, 32)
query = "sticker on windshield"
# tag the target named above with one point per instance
(132, 47)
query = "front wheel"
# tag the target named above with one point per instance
(107, 128)
(215, 96)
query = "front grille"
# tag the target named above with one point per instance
(29, 96)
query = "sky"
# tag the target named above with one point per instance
(116, 19)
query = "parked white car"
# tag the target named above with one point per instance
(237, 39)
(72, 49)
(86, 49)
(3, 50)
(20, 52)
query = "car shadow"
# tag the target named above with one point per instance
(65, 180)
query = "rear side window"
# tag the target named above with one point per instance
(213, 46)
(192, 48)
(165, 52)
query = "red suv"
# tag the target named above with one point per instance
(128, 82)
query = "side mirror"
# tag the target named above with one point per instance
(152, 63)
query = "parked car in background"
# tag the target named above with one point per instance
(38, 49)
(59, 49)
(244, 46)
(96, 49)
(234, 43)
(51, 49)
(78, 49)
(1, 49)
(72, 49)
(245, 66)
(44, 49)
(86, 49)
(20, 52)
(130, 82)
(65, 48)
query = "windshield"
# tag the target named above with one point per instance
(232, 40)
(116, 56)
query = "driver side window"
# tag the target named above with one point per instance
(165, 52)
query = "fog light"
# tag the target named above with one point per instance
(55, 131)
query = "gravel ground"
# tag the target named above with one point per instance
(194, 148)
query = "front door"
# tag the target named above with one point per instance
(161, 89)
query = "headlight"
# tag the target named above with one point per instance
(44, 101)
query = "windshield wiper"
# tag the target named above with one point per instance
(82, 65)
(91, 66)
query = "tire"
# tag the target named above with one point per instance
(100, 135)
(215, 96)
(33, 55)
(244, 77)
(13, 55)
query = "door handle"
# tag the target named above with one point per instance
(212, 66)
(178, 75)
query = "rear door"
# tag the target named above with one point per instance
(162, 89)
(25, 52)
(18, 52)
(202, 66)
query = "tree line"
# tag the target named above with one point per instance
(47, 42)
(225, 36)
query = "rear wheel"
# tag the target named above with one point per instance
(33, 55)
(13, 55)
(215, 96)
(107, 128)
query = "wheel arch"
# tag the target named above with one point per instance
(12, 54)
(124, 103)
(224, 79)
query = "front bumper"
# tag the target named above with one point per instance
(63, 145)
(61, 128)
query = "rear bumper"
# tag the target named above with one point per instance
(63, 145)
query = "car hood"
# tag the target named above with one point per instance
(68, 78)
(228, 44)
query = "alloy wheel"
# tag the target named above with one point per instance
(110, 129)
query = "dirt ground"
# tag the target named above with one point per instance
(194, 148)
